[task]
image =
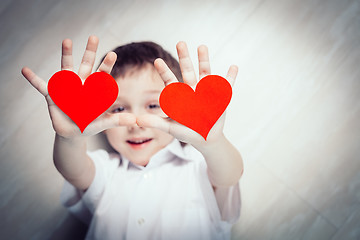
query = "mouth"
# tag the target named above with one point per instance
(139, 143)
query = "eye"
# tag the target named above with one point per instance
(153, 106)
(118, 109)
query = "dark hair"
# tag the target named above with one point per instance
(138, 54)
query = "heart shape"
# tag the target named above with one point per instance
(197, 110)
(83, 103)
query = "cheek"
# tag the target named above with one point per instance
(164, 137)
(114, 137)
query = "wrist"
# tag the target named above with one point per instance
(224, 162)
(80, 140)
(210, 146)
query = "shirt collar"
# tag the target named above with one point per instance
(168, 153)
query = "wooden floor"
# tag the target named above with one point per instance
(295, 113)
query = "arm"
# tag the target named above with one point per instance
(72, 162)
(225, 165)
(69, 155)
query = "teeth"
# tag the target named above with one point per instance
(138, 141)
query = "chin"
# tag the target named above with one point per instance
(140, 162)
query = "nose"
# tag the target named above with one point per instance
(137, 111)
(134, 128)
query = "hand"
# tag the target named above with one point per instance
(180, 131)
(62, 124)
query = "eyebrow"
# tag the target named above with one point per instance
(152, 91)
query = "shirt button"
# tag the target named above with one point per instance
(141, 221)
(147, 175)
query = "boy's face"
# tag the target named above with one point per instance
(139, 92)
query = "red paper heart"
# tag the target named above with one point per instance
(83, 103)
(197, 110)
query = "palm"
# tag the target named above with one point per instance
(179, 131)
(62, 124)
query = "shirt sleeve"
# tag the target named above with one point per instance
(83, 204)
(226, 199)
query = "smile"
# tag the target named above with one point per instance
(139, 143)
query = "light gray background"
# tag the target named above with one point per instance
(294, 115)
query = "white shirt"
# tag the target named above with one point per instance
(170, 198)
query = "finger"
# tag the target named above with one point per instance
(232, 73)
(35, 81)
(108, 63)
(108, 120)
(169, 126)
(204, 63)
(164, 71)
(116, 120)
(153, 121)
(186, 66)
(88, 59)
(66, 56)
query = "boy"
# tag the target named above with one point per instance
(155, 187)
